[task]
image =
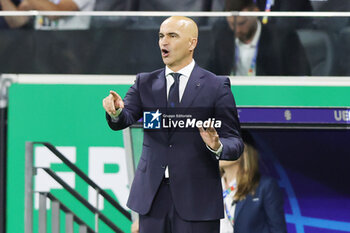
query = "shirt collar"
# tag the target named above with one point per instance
(186, 71)
(256, 37)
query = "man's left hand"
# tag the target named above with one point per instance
(210, 137)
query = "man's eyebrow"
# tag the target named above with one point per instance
(169, 34)
(173, 34)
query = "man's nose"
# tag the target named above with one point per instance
(164, 41)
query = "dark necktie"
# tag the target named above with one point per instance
(173, 97)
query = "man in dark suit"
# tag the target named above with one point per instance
(177, 184)
(243, 46)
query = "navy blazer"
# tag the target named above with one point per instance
(263, 212)
(194, 172)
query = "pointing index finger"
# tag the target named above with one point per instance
(115, 95)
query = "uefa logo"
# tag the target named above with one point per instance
(151, 120)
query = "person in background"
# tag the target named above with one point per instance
(253, 203)
(49, 5)
(14, 4)
(244, 46)
(14, 21)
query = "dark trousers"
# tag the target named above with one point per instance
(163, 217)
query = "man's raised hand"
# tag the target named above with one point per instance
(112, 102)
(210, 137)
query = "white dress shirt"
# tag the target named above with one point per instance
(183, 79)
(185, 75)
(67, 23)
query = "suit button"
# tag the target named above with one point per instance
(170, 146)
(163, 166)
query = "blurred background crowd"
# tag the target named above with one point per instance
(296, 46)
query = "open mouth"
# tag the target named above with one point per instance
(165, 52)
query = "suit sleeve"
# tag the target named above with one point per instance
(273, 205)
(229, 133)
(132, 110)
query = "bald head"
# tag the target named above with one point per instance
(183, 23)
(178, 38)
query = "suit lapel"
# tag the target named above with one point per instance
(193, 87)
(159, 90)
(159, 94)
(239, 206)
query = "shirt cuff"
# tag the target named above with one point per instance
(115, 117)
(216, 152)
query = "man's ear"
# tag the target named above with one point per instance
(193, 43)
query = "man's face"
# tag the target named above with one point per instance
(244, 27)
(175, 43)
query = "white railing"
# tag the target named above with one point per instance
(179, 13)
(335, 81)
